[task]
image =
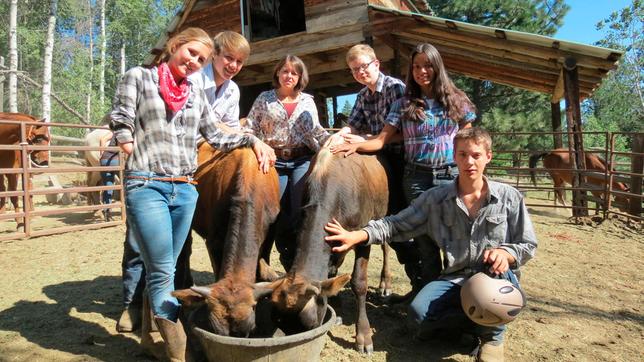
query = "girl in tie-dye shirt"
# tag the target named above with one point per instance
(427, 119)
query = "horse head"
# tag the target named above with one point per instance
(38, 135)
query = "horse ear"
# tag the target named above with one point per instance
(263, 289)
(332, 286)
(191, 296)
(266, 273)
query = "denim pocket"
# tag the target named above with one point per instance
(134, 184)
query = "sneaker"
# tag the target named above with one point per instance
(490, 352)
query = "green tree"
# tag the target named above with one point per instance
(502, 108)
(618, 104)
(346, 109)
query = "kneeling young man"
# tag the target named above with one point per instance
(477, 223)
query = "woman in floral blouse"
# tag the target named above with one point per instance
(286, 119)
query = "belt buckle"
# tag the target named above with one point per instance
(286, 153)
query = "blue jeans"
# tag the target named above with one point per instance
(291, 178)
(108, 178)
(438, 307)
(416, 181)
(160, 215)
(133, 270)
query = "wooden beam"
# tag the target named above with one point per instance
(558, 92)
(513, 46)
(555, 112)
(301, 44)
(575, 139)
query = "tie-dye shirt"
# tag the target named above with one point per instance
(430, 142)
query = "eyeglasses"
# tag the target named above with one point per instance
(362, 67)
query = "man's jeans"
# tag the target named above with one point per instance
(160, 215)
(291, 178)
(108, 179)
(133, 270)
(438, 307)
(415, 181)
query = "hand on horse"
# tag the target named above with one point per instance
(498, 259)
(265, 155)
(353, 138)
(347, 148)
(346, 239)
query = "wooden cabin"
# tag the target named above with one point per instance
(321, 31)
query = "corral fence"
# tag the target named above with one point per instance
(61, 157)
(510, 164)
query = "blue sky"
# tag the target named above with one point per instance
(579, 23)
(579, 26)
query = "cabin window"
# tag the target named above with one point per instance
(265, 19)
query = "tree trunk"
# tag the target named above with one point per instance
(49, 48)
(122, 68)
(13, 57)
(101, 89)
(88, 105)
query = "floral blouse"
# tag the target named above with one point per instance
(269, 121)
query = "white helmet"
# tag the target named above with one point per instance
(491, 302)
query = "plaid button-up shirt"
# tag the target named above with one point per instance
(429, 142)
(164, 143)
(370, 110)
(502, 222)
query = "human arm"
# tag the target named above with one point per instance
(401, 227)
(375, 144)
(346, 239)
(223, 137)
(124, 109)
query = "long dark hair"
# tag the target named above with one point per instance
(454, 100)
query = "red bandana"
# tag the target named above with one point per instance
(175, 96)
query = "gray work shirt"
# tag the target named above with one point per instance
(502, 222)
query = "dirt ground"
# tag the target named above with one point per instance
(61, 297)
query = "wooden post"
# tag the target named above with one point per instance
(637, 168)
(335, 111)
(575, 140)
(2, 85)
(555, 111)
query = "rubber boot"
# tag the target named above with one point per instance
(491, 352)
(151, 340)
(130, 319)
(175, 339)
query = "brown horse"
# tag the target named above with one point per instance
(559, 166)
(10, 135)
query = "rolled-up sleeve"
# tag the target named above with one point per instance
(124, 109)
(220, 139)
(522, 241)
(403, 226)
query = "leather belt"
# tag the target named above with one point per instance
(291, 153)
(415, 166)
(173, 179)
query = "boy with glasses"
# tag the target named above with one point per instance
(367, 119)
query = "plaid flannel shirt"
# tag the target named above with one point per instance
(371, 109)
(164, 142)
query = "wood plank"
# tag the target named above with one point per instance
(419, 24)
(335, 13)
(301, 44)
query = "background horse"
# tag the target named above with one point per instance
(559, 166)
(10, 135)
